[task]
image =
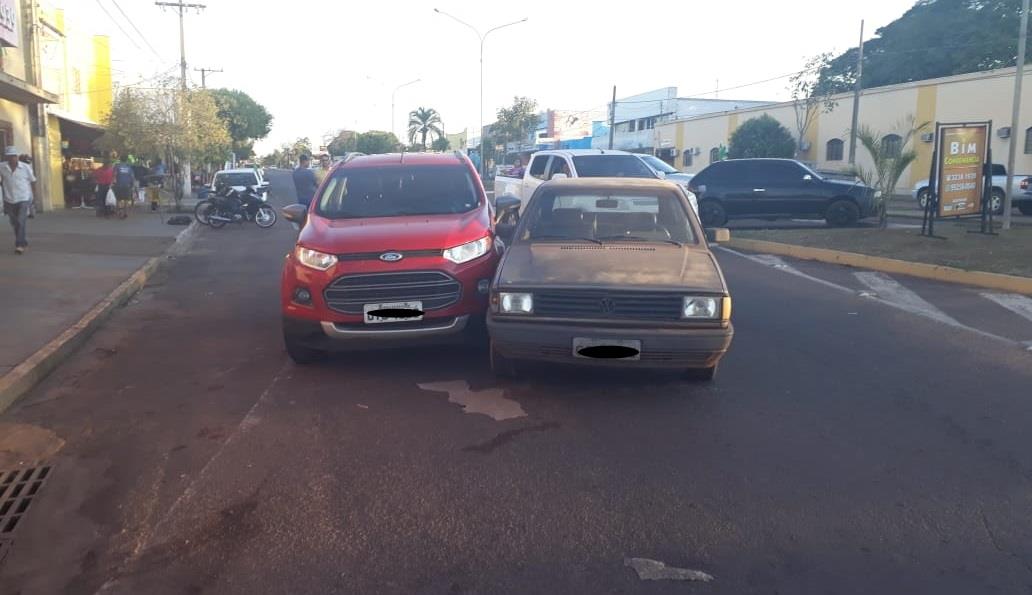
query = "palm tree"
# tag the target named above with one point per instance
(891, 154)
(424, 122)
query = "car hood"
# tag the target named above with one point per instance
(424, 232)
(848, 187)
(682, 179)
(623, 265)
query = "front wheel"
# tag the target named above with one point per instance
(922, 198)
(502, 366)
(996, 201)
(842, 213)
(265, 217)
(202, 210)
(302, 354)
(712, 213)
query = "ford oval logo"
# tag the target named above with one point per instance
(391, 256)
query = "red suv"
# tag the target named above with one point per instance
(394, 249)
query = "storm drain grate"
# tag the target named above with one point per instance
(17, 490)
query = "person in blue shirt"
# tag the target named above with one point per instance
(304, 180)
(124, 185)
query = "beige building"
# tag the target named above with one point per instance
(962, 98)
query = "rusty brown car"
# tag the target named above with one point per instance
(613, 272)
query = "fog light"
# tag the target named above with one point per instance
(483, 285)
(302, 295)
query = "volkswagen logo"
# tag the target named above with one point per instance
(606, 306)
(391, 256)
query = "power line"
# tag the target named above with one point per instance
(135, 28)
(120, 28)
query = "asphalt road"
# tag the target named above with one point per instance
(856, 441)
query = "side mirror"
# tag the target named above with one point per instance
(296, 214)
(718, 235)
(807, 178)
(559, 176)
(700, 189)
(505, 206)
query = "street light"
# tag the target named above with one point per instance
(482, 36)
(394, 126)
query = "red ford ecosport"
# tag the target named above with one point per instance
(394, 249)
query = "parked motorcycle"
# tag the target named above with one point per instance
(229, 205)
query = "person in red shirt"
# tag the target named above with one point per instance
(103, 177)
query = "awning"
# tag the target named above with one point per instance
(19, 91)
(77, 124)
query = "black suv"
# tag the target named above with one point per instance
(771, 188)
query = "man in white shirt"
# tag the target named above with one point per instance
(19, 184)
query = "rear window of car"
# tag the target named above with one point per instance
(354, 193)
(606, 216)
(236, 179)
(999, 169)
(611, 166)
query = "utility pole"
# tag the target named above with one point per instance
(181, 7)
(1013, 149)
(205, 71)
(612, 118)
(856, 96)
(40, 136)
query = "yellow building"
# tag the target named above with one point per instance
(962, 98)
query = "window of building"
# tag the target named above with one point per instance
(641, 124)
(1028, 141)
(714, 155)
(834, 150)
(630, 126)
(892, 145)
(686, 158)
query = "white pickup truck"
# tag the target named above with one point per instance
(577, 163)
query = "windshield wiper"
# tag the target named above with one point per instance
(566, 239)
(641, 239)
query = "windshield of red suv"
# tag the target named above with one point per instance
(397, 191)
(611, 166)
(607, 216)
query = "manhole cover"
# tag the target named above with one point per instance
(17, 490)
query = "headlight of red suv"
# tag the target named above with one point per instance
(314, 259)
(468, 251)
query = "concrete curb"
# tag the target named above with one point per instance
(23, 377)
(936, 272)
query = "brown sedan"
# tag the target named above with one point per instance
(613, 272)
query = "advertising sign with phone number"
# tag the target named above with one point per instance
(962, 156)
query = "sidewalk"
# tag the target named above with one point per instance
(74, 261)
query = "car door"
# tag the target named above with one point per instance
(775, 187)
(734, 186)
(536, 174)
(559, 165)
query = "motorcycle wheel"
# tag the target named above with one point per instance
(202, 210)
(217, 223)
(265, 217)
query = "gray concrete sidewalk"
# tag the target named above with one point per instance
(74, 260)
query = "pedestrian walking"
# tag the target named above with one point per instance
(304, 180)
(103, 178)
(19, 185)
(124, 183)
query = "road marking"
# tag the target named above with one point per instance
(1019, 304)
(654, 570)
(489, 402)
(890, 290)
(770, 260)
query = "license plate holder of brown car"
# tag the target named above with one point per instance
(615, 349)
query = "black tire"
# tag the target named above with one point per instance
(502, 366)
(202, 210)
(1025, 208)
(712, 213)
(996, 200)
(842, 213)
(216, 223)
(701, 374)
(270, 217)
(922, 198)
(302, 354)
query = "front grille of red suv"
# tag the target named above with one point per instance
(435, 289)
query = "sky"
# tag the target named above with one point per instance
(322, 65)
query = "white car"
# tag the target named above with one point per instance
(669, 173)
(240, 179)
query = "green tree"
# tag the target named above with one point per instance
(809, 99)
(345, 141)
(888, 160)
(934, 38)
(516, 121)
(246, 119)
(376, 141)
(761, 137)
(424, 122)
(441, 144)
(302, 146)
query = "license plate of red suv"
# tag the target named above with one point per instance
(393, 312)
